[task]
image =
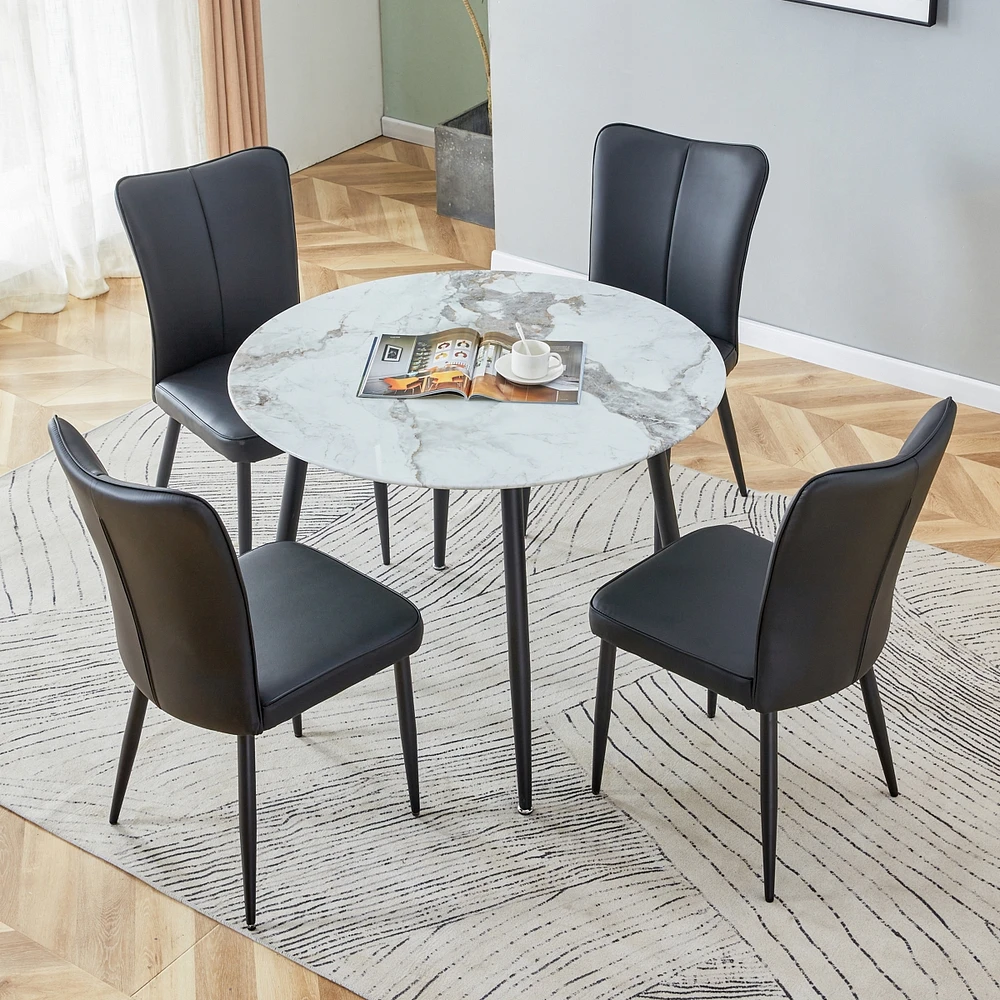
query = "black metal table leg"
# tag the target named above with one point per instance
(244, 508)
(663, 498)
(291, 499)
(518, 657)
(441, 500)
(382, 512)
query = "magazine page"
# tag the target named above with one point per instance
(488, 382)
(421, 366)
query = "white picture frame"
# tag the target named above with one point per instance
(911, 11)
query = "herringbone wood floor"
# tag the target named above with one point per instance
(74, 926)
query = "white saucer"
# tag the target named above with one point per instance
(503, 368)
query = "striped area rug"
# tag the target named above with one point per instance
(651, 891)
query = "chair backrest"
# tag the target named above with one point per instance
(178, 599)
(215, 245)
(827, 603)
(671, 219)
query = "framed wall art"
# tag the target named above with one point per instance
(912, 11)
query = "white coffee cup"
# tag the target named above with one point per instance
(533, 359)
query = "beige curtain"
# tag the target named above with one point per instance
(233, 66)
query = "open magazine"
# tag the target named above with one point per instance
(463, 361)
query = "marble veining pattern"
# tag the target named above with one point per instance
(651, 379)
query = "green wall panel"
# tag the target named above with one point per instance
(432, 68)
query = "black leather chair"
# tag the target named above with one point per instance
(235, 645)
(776, 626)
(671, 219)
(215, 245)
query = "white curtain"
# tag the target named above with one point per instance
(89, 90)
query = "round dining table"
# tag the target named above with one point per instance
(650, 379)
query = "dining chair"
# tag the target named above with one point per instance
(671, 219)
(234, 644)
(778, 625)
(215, 246)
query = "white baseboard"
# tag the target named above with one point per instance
(840, 357)
(501, 261)
(396, 128)
(868, 364)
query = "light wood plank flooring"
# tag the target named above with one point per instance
(72, 925)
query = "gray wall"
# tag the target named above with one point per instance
(322, 76)
(880, 227)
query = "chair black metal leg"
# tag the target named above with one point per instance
(663, 497)
(769, 797)
(732, 444)
(713, 704)
(876, 719)
(441, 498)
(244, 507)
(602, 711)
(126, 758)
(518, 654)
(167, 452)
(248, 826)
(297, 725)
(382, 511)
(657, 541)
(526, 495)
(291, 499)
(408, 731)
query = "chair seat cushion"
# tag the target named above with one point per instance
(728, 352)
(319, 627)
(199, 398)
(692, 608)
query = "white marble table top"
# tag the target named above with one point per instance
(651, 379)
